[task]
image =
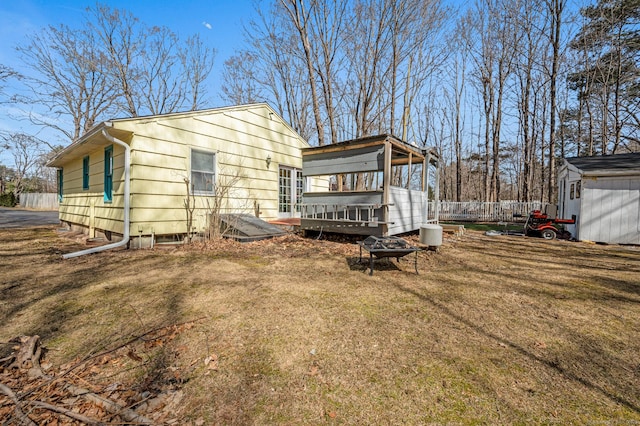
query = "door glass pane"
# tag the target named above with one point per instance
(284, 191)
(299, 189)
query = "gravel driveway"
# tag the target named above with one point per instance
(19, 218)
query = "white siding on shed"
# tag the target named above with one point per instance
(613, 213)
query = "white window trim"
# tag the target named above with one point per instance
(215, 171)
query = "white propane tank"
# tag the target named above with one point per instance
(431, 235)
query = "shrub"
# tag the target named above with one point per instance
(8, 199)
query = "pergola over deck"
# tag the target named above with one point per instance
(376, 185)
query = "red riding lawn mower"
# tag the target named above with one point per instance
(541, 224)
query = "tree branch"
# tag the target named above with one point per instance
(24, 419)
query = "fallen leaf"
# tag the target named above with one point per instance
(211, 362)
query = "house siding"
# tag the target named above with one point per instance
(241, 137)
(87, 207)
(241, 140)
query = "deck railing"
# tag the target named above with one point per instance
(476, 211)
(341, 212)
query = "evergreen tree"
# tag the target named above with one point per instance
(607, 80)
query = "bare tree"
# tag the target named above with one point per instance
(189, 203)
(240, 79)
(328, 26)
(531, 26)
(278, 70)
(197, 62)
(6, 74)
(368, 44)
(226, 184)
(458, 120)
(494, 26)
(155, 71)
(27, 152)
(112, 63)
(121, 40)
(298, 14)
(556, 9)
(70, 77)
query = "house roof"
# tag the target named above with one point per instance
(94, 138)
(607, 164)
(87, 143)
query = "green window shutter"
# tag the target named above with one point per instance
(60, 182)
(85, 172)
(108, 174)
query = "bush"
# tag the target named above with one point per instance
(8, 200)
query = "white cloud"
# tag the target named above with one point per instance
(207, 25)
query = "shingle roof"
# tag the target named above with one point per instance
(618, 162)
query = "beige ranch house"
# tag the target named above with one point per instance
(141, 172)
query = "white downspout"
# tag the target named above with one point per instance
(127, 191)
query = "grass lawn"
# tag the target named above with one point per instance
(494, 330)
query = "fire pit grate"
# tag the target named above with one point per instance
(381, 247)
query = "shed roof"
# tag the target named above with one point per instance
(607, 163)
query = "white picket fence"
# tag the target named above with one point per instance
(476, 211)
(39, 201)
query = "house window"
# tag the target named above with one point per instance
(203, 172)
(85, 173)
(59, 173)
(578, 188)
(572, 191)
(108, 174)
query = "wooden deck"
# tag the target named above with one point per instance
(379, 186)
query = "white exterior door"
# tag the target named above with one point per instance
(290, 188)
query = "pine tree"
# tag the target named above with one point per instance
(607, 81)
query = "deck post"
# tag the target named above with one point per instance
(425, 186)
(436, 195)
(386, 179)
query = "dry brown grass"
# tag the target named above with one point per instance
(495, 330)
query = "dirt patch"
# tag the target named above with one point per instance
(494, 330)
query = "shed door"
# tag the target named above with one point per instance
(290, 188)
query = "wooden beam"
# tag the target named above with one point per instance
(339, 148)
(386, 183)
(406, 148)
(409, 172)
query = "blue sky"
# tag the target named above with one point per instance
(219, 23)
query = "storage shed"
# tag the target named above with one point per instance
(376, 185)
(249, 151)
(603, 192)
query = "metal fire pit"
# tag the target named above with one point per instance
(387, 247)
